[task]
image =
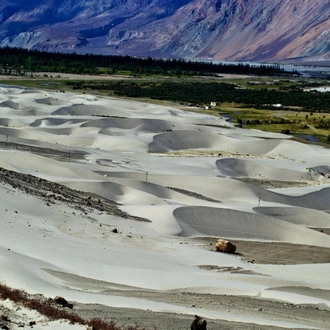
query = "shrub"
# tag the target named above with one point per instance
(48, 308)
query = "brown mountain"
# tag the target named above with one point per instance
(259, 30)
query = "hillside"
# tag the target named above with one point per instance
(218, 29)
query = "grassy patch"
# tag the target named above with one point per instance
(284, 121)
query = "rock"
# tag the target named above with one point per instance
(198, 323)
(63, 302)
(225, 246)
(68, 305)
(60, 300)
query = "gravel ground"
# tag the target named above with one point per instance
(318, 317)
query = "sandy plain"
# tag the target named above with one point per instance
(75, 167)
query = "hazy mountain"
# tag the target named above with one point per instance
(218, 29)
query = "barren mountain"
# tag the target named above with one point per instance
(217, 29)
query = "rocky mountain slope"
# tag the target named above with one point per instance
(218, 29)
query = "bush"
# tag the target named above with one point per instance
(50, 309)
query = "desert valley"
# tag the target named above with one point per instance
(116, 205)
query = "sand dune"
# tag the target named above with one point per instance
(298, 215)
(10, 104)
(318, 200)
(12, 122)
(236, 224)
(123, 194)
(181, 140)
(235, 191)
(49, 101)
(148, 125)
(51, 121)
(177, 175)
(323, 170)
(82, 110)
(236, 168)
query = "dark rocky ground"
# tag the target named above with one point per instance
(54, 192)
(275, 253)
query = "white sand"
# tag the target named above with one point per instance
(19, 315)
(135, 156)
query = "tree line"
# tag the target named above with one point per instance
(199, 93)
(23, 61)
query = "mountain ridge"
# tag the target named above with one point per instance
(236, 30)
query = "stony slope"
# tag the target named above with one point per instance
(218, 29)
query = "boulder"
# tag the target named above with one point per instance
(198, 323)
(225, 246)
(60, 300)
(63, 302)
(68, 306)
